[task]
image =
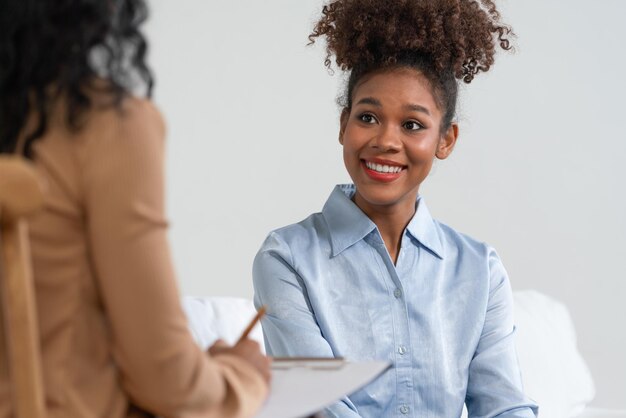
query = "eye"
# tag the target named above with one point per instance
(367, 118)
(412, 125)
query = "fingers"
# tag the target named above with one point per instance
(220, 343)
(249, 351)
(248, 344)
(218, 347)
(264, 365)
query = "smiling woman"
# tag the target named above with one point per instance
(374, 276)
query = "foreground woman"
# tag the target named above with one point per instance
(114, 337)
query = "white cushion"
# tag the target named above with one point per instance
(603, 413)
(220, 317)
(553, 371)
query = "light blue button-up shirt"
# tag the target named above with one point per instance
(443, 315)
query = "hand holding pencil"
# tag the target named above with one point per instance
(247, 349)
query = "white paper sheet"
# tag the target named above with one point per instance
(307, 387)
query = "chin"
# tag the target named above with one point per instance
(378, 197)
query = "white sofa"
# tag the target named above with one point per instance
(554, 373)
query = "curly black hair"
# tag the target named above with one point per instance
(446, 40)
(66, 47)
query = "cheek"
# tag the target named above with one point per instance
(352, 144)
(350, 156)
(422, 151)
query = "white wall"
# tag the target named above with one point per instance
(538, 172)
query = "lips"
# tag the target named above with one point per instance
(381, 170)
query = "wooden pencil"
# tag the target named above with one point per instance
(254, 321)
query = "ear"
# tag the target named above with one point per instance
(343, 121)
(447, 142)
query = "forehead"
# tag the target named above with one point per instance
(397, 87)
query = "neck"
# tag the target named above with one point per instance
(391, 220)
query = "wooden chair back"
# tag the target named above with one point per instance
(20, 195)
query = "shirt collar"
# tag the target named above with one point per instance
(347, 224)
(424, 229)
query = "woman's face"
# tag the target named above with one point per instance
(391, 136)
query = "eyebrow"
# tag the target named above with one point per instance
(371, 101)
(417, 108)
(375, 102)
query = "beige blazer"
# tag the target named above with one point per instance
(112, 329)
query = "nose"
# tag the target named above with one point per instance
(387, 139)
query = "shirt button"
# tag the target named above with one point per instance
(404, 409)
(397, 293)
(402, 350)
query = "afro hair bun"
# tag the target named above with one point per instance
(459, 36)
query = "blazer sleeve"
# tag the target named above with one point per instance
(161, 368)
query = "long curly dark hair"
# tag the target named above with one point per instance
(447, 40)
(66, 47)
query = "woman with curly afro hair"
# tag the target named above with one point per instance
(114, 338)
(374, 276)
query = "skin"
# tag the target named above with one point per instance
(394, 118)
(249, 351)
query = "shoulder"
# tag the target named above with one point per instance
(461, 241)
(133, 131)
(140, 110)
(134, 118)
(474, 261)
(465, 248)
(305, 236)
(137, 110)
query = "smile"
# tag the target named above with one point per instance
(382, 171)
(382, 168)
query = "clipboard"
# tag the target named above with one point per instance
(302, 386)
(314, 363)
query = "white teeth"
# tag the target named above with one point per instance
(383, 168)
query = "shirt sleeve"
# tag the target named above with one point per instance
(289, 327)
(495, 385)
(161, 368)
